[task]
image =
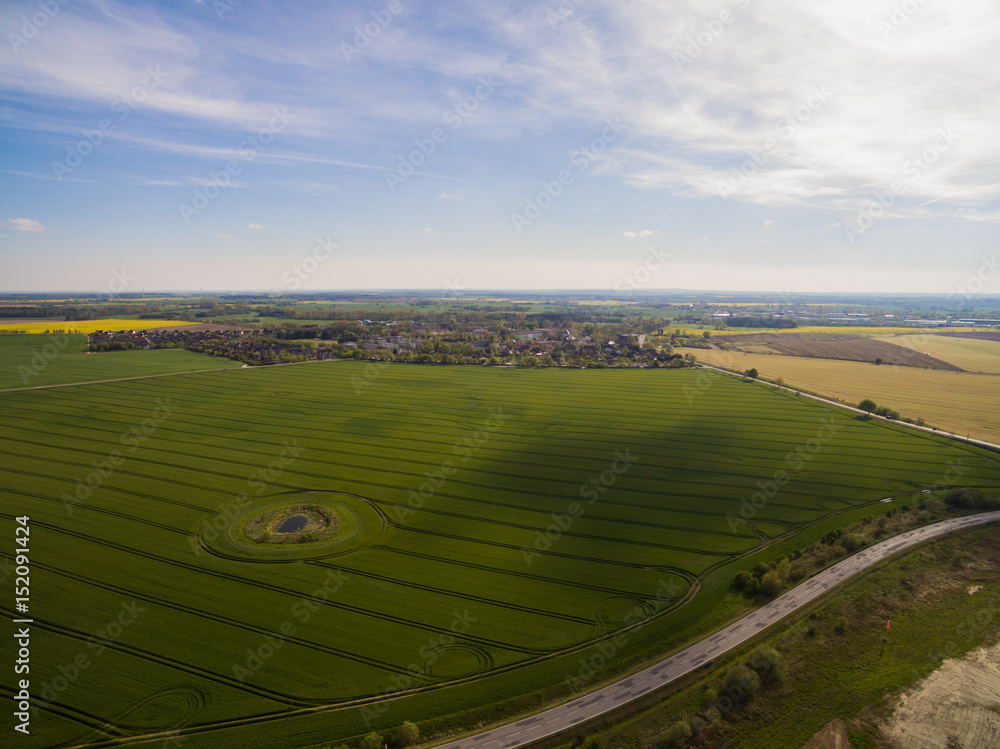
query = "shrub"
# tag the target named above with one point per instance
(372, 741)
(407, 734)
(676, 736)
(741, 679)
(770, 584)
(768, 664)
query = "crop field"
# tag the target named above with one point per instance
(88, 326)
(33, 360)
(859, 349)
(971, 354)
(258, 557)
(964, 402)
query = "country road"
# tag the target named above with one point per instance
(620, 693)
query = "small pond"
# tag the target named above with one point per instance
(293, 524)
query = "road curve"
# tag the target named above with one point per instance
(620, 693)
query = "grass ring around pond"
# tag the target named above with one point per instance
(293, 527)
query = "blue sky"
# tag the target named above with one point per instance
(754, 144)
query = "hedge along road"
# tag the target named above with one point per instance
(620, 693)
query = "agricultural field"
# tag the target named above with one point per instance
(262, 556)
(964, 402)
(87, 326)
(846, 347)
(970, 354)
(33, 360)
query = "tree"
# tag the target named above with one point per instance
(742, 677)
(767, 662)
(751, 374)
(868, 405)
(407, 734)
(770, 584)
(372, 741)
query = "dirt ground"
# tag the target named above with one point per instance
(956, 707)
(832, 736)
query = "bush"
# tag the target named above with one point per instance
(770, 584)
(407, 734)
(840, 627)
(676, 736)
(742, 579)
(741, 679)
(971, 499)
(852, 542)
(768, 664)
(372, 741)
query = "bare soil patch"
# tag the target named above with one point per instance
(956, 707)
(831, 736)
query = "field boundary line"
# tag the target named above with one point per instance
(992, 446)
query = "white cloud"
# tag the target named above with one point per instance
(447, 196)
(769, 222)
(628, 234)
(223, 236)
(26, 224)
(428, 230)
(257, 227)
(640, 234)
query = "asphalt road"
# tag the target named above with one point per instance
(622, 692)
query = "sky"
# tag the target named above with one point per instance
(767, 145)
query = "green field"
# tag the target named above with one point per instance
(961, 402)
(469, 565)
(971, 354)
(33, 360)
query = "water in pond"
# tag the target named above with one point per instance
(293, 524)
